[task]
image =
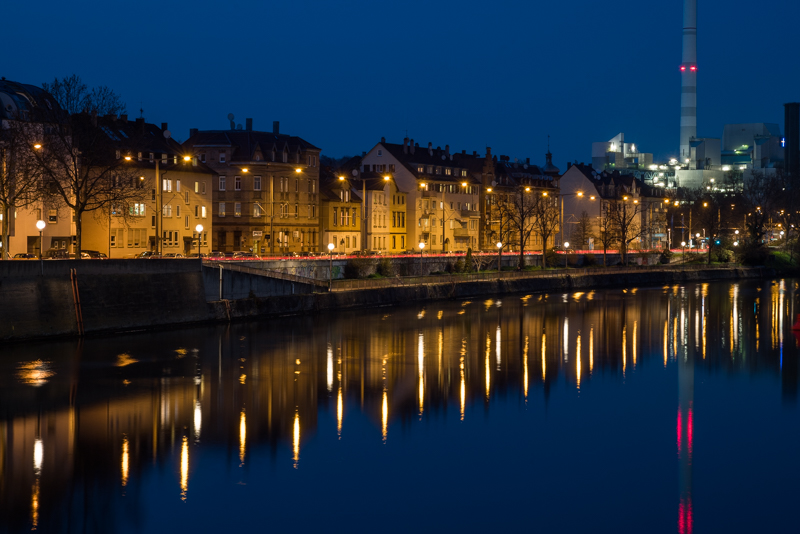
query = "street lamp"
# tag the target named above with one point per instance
(199, 230)
(421, 250)
(566, 248)
(40, 225)
(683, 253)
(499, 256)
(331, 246)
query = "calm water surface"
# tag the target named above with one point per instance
(667, 409)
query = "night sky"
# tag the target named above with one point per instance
(469, 74)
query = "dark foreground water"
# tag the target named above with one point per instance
(667, 409)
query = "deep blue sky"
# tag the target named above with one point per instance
(470, 74)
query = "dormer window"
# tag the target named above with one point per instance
(420, 169)
(285, 157)
(448, 171)
(222, 156)
(380, 152)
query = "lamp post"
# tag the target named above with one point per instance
(40, 225)
(421, 250)
(499, 256)
(331, 246)
(199, 230)
(566, 247)
(683, 251)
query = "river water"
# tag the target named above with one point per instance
(668, 409)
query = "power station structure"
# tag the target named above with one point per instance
(710, 163)
(688, 79)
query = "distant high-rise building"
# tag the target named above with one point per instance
(792, 139)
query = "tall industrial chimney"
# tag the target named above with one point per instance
(689, 77)
(791, 150)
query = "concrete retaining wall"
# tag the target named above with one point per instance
(238, 285)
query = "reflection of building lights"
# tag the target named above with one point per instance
(184, 467)
(38, 455)
(486, 366)
(525, 368)
(296, 439)
(633, 347)
(544, 358)
(591, 350)
(497, 345)
(339, 412)
(578, 361)
(35, 373)
(125, 460)
(35, 505)
(385, 415)
(624, 343)
(242, 436)
(198, 419)
(330, 367)
(566, 339)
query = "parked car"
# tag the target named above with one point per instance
(243, 255)
(26, 256)
(308, 254)
(148, 255)
(56, 254)
(173, 255)
(95, 255)
(84, 256)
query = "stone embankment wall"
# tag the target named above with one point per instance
(117, 295)
(390, 296)
(111, 295)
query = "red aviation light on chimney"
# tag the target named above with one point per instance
(693, 68)
(683, 68)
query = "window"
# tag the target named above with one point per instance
(166, 185)
(202, 157)
(420, 169)
(137, 237)
(402, 241)
(186, 197)
(237, 209)
(202, 188)
(354, 217)
(166, 210)
(137, 210)
(256, 210)
(153, 221)
(380, 152)
(430, 169)
(52, 216)
(296, 211)
(394, 242)
(197, 187)
(448, 171)
(186, 222)
(256, 183)
(285, 156)
(222, 158)
(203, 211)
(196, 210)
(177, 211)
(178, 186)
(237, 183)
(222, 183)
(335, 215)
(116, 237)
(463, 172)
(296, 185)
(222, 209)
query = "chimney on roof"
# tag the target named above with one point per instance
(464, 152)
(112, 116)
(248, 124)
(430, 148)
(383, 139)
(140, 125)
(489, 152)
(363, 154)
(569, 164)
(164, 126)
(192, 132)
(411, 146)
(447, 151)
(276, 127)
(405, 145)
(528, 161)
(124, 117)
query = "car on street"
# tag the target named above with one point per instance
(95, 255)
(148, 255)
(173, 255)
(243, 255)
(26, 256)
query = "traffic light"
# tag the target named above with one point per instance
(717, 241)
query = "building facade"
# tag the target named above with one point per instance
(266, 194)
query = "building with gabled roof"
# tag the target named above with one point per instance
(266, 195)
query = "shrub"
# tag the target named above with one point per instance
(358, 267)
(552, 258)
(589, 260)
(385, 267)
(459, 266)
(468, 261)
(665, 257)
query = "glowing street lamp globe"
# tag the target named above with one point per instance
(331, 246)
(40, 225)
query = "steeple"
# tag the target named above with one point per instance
(549, 169)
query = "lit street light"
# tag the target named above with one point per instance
(199, 230)
(499, 256)
(40, 225)
(566, 248)
(421, 250)
(331, 246)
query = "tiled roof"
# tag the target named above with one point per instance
(245, 143)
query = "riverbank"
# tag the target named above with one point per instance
(76, 298)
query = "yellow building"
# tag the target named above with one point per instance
(341, 215)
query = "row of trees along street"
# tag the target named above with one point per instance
(57, 155)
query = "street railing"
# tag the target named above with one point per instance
(399, 281)
(266, 272)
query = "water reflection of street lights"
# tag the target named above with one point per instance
(421, 250)
(331, 246)
(40, 225)
(566, 250)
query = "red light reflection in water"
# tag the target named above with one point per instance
(685, 450)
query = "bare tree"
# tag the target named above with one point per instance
(625, 215)
(84, 169)
(583, 230)
(19, 181)
(518, 208)
(75, 97)
(760, 194)
(546, 218)
(607, 232)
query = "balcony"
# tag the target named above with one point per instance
(430, 194)
(461, 232)
(470, 214)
